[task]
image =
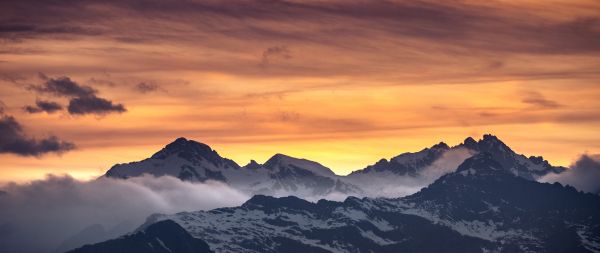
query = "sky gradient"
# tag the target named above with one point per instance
(86, 84)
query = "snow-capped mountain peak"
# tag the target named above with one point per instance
(193, 151)
(280, 161)
(491, 143)
(282, 175)
(185, 159)
(530, 168)
(486, 211)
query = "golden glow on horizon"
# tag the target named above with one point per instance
(311, 88)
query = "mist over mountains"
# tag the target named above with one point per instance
(190, 176)
(283, 175)
(481, 207)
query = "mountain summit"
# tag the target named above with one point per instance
(484, 201)
(413, 164)
(195, 152)
(185, 159)
(531, 168)
(283, 175)
(281, 161)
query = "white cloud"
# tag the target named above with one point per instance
(38, 216)
(389, 184)
(584, 174)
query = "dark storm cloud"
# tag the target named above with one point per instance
(43, 106)
(93, 105)
(584, 174)
(537, 99)
(83, 99)
(145, 87)
(13, 140)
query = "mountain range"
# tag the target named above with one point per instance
(482, 206)
(282, 175)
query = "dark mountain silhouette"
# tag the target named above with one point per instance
(161, 237)
(481, 207)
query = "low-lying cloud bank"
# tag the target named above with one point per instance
(49, 215)
(392, 185)
(41, 215)
(584, 174)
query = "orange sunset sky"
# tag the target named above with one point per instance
(345, 83)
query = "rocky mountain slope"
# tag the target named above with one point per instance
(161, 237)
(481, 207)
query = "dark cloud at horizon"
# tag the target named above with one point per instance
(82, 99)
(13, 140)
(43, 106)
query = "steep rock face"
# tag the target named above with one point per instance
(482, 207)
(531, 168)
(161, 237)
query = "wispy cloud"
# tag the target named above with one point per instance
(270, 53)
(451, 39)
(537, 99)
(147, 87)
